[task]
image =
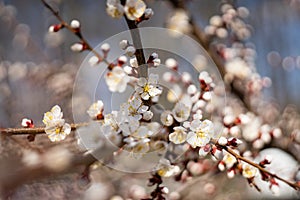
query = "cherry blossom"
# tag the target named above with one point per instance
(117, 80)
(201, 132)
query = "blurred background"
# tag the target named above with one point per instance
(26, 49)
(38, 69)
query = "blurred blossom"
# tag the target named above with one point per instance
(57, 158)
(97, 191)
(179, 21)
(17, 71)
(53, 40)
(200, 62)
(288, 63)
(134, 9)
(31, 158)
(274, 58)
(60, 82)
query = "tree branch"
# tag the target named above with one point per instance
(260, 168)
(75, 32)
(34, 131)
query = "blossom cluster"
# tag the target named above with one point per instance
(185, 135)
(56, 128)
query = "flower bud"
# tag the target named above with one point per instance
(55, 28)
(130, 51)
(148, 13)
(122, 60)
(222, 141)
(75, 24)
(94, 60)
(124, 44)
(27, 123)
(77, 47)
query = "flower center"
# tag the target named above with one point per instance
(58, 129)
(200, 134)
(131, 10)
(146, 88)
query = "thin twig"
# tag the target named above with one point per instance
(76, 32)
(137, 43)
(260, 168)
(34, 131)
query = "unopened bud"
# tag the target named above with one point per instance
(55, 28)
(122, 60)
(27, 123)
(94, 60)
(148, 13)
(75, 24)
(130, 51)
(77, 47)
(222, 141)
(124, 44)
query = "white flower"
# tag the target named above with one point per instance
(96, 110)
(117, 80)
(200, 133)
(134, 108)
(58, 131)
(141, 147)
(114, 8)
(181, 112)
(229, 160)
(249, 171)
(54, 115)
(166, 118)
(134, 9)
(148, 88)
(178, 136)
(153, 128)
(165, 169)
(56, 128)
(131, 127)
(133, 62)
(147, 115)
(112, 134)
(159, 146)
(111, 120)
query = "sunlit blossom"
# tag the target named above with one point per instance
(117, 80)
(134, 9)
(201, 133)
(148, 88)
(178, 136)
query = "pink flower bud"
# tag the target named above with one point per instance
(27, 123)
(55, 28)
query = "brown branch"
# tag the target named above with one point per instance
(34, 131)
(137, 43)
(76, 32)
(260, 168)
